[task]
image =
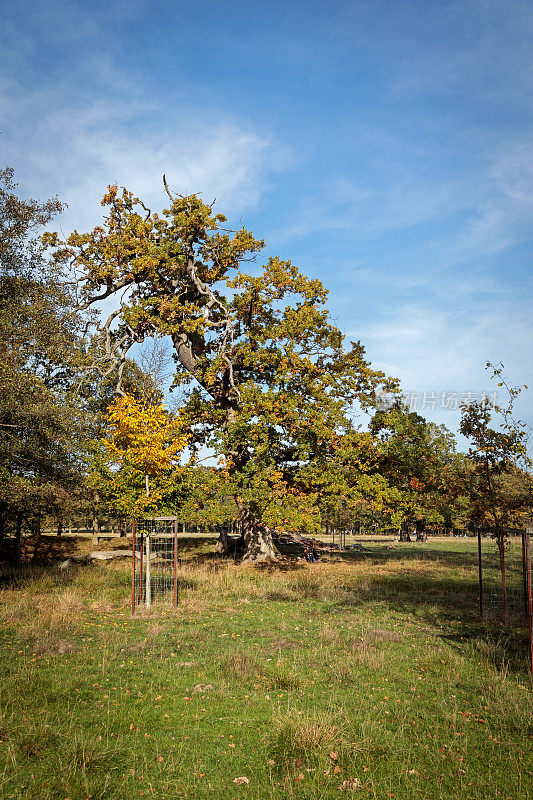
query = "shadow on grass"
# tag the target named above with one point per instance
(448, 551)
(449, 605)
(44, 549)
(414, 552)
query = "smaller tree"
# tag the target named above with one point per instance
(419, 461)
(139, 468)
(42, 424)
(497, 453)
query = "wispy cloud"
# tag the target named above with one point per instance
(446, 350)
(77, 152)
(98, 124)
(386, 147)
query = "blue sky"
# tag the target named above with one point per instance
(385, 147)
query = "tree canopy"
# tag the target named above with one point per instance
(41, 450)
(267, 378)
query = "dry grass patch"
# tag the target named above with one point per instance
(44, 615)
(329, 636)
(302, 737)
(54, 647)
(283, 593)
(344, 669)
(241, 664)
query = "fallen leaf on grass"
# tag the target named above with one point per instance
(333, 755)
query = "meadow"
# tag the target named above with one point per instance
(366, 675)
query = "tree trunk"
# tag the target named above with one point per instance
(95, 521)
(18, 537)
(404, 532)
(420, 528)
(257, 538)
(222, 545)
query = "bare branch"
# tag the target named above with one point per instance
(165, 184)
(108, 292)
(148, 211)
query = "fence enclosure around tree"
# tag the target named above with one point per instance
(505, 579)
(154, 562)
(155, 559)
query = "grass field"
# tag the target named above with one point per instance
(369, 675)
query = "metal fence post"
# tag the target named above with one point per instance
(529, 594)
(141, 557)
(501, 536)
(480, 572)
(133, 568)
(175, 592)
(148, 574)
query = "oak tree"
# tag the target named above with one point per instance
(266, 377)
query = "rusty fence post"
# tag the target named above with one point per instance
(175, 592)
(133, 568)
(141, 558)
(480, 572)
(529, 594)
(524, 573)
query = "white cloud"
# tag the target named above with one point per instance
(75, 131)
(446, 350)
(76, 152)
(506, 216)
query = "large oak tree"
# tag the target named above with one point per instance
(266, 375)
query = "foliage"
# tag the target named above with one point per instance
(418, 459)
(266, 376)
(41, 451)
(499, 483)
(140, 466)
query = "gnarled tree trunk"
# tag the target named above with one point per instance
(222, 545)
(95, 520)
(257, 538)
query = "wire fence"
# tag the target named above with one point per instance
(154, 562)
(505, 579)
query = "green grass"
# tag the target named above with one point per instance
(368, 676)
